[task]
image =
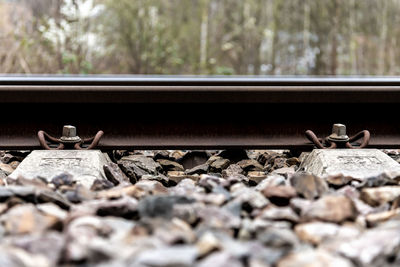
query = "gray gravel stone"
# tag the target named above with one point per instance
(172, 208)
(317, 258)
(308, 185)
(169, 256)
(160, 206)
(331, 208)
(374, 246)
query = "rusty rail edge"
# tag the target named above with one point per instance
(151, 112)
(181, 80)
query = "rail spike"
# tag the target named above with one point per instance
(68, 140)
(339, 139)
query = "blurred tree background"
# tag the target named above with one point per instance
(210, 37)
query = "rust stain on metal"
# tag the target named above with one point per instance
(68, 140)
(197, 113)
(339, 139)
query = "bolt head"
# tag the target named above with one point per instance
(69, 131)
(339, 129)
(339, 133)
(69, 135)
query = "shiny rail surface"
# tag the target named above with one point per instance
(154, 112)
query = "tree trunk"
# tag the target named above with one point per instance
(306, 30)
(335, 24)
(204, 36)
(382, 40)
(275, 28)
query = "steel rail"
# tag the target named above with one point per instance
(181, 80)
(153, 112)
(198, 94)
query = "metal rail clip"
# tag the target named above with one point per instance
(69, 139)
(339, 139)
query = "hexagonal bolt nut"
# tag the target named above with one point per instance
(339, 133)
(69, 131)
(339, 129)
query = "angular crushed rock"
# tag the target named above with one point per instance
(331, 208)
(308, 185)
(199, 208)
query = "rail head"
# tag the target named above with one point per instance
(187, 80)
(188, 89)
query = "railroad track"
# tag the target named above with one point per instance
(149, 112)
(199, 208)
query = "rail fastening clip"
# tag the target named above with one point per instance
(69, 139)
(338, 138)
